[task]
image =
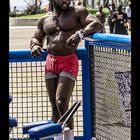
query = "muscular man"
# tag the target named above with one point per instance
(63, 27)
(101, 16)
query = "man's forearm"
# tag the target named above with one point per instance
(34, 42)
(92, 28)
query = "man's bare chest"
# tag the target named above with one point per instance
(64, 22)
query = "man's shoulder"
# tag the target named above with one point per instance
(48, 14)
(80, 8)
(41, 20)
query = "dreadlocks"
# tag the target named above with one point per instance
(51, 7)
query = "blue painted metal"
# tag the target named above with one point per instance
(25, 55)
(114, 41)
(86, 98)
(99, 39)
(112, 38)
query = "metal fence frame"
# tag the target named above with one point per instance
(25, 56)
(98, 39)
(111, 41)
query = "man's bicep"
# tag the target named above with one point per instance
(82, 14)
(85, 20)
(93, 25)
(39, 33)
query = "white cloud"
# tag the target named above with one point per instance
(20, 4)
(17, 2)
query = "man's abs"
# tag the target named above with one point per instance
(56, 44)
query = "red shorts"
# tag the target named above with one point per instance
(66, 66)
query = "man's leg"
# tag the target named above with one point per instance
(51, 85)
(69, 135)
(63, 94)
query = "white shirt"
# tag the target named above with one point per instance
(128, 11)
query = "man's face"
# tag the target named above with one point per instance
(100, 8)
(62, 4)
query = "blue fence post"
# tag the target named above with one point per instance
(86, 95)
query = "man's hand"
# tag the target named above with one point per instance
(113, 20)
(73, 41)
(36, 51)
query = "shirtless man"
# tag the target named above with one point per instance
(63, 27)
(101, 16)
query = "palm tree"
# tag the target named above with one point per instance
(33, 6)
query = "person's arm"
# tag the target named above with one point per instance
(90, 24)
(36, 43)
(114, 18)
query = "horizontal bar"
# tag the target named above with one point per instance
(24, 55)
(126, 39)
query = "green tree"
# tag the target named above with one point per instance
(33, 6)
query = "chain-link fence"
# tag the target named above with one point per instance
(103, 85)
(111, 91)
(30, 99)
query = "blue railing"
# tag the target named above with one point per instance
(83, 53)
(25, 56)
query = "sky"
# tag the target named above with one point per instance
(20, 4)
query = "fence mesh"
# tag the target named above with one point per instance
(110, 87)
(109, 118)
(30, 100)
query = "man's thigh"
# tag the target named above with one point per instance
(51, 85)
(65, 88)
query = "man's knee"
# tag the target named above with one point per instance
(62, 104)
